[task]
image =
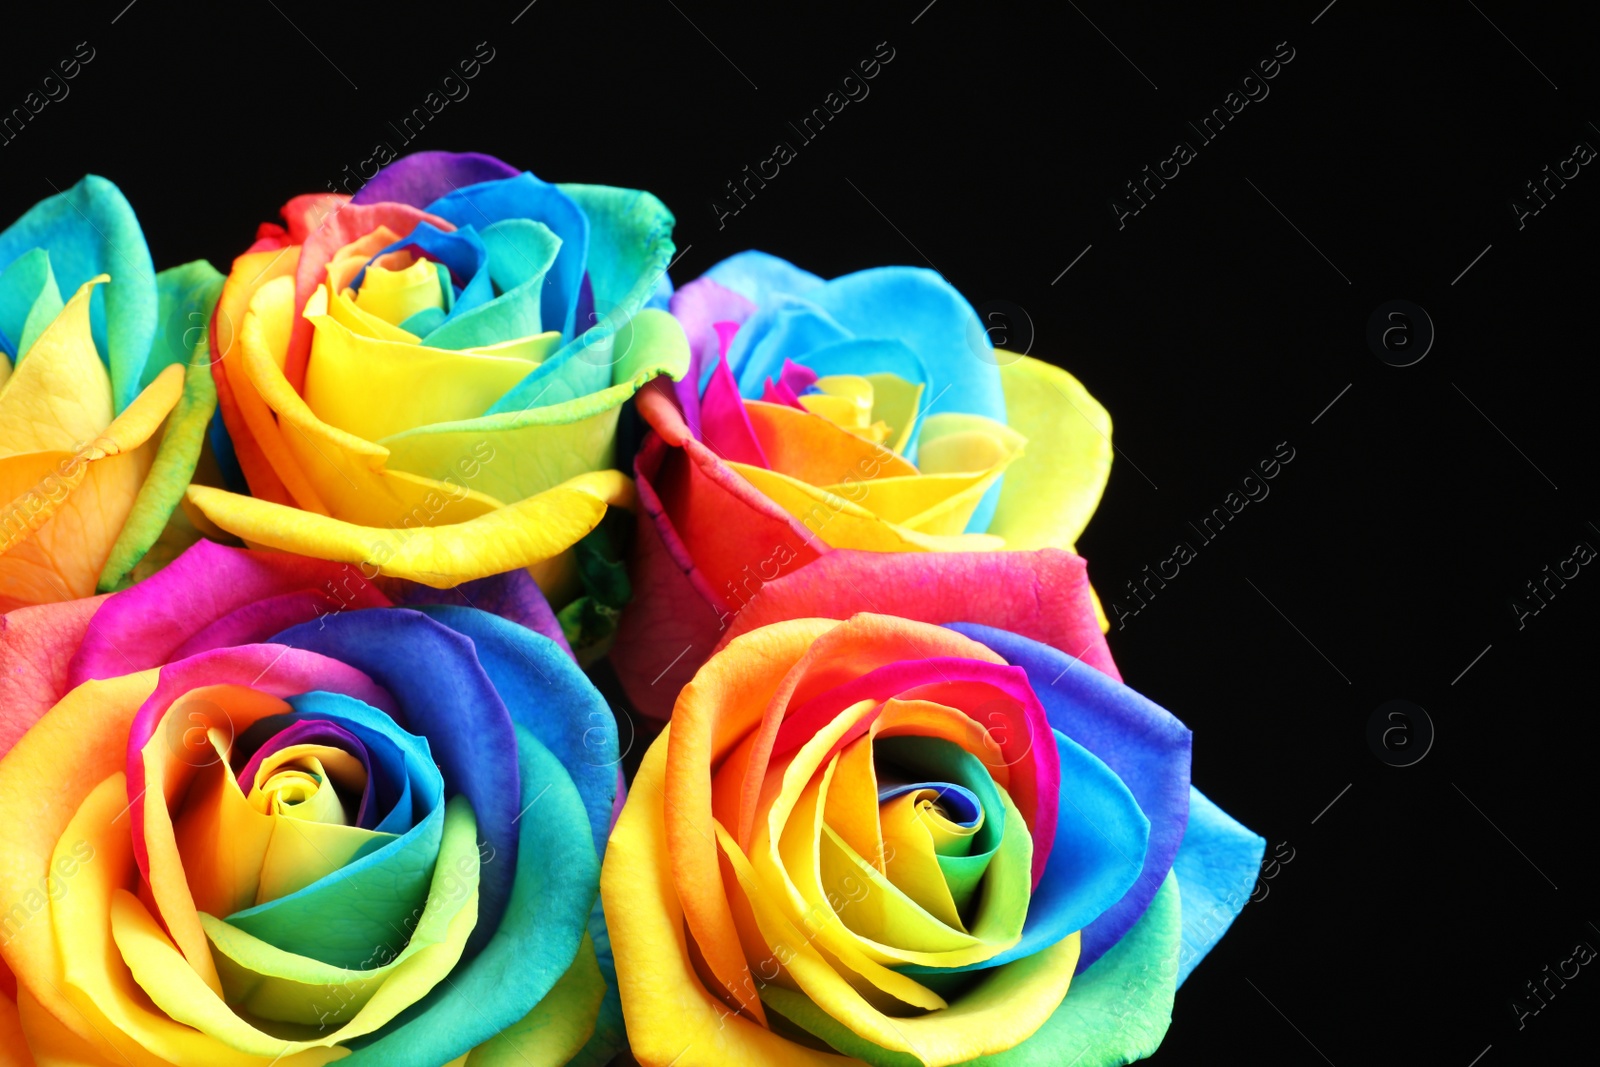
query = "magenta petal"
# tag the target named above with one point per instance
(796, 377)
(145, 624)
(725, 428)
(1026, 744)
(794, 380)
(699, 307)
(423, 177)
(726, 332)
(1043, 595)
(256, 622)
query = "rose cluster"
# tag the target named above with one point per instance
(313, 574)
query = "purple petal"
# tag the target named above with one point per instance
(514, 596)
(699, 306)
(313, 732)
(423, 177)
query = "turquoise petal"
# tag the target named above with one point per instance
(557, 881)
(521, 253)
(91, 229)
(185, 296)
(760, 276)
(343, 918)
(29, 301)
(1217, 865)
(630, 246)
(1118, 1010)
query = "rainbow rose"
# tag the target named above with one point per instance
(866, 412)
(253, 812)
(426, 377)
(907, 813)
(104, 395)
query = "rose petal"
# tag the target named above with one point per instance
(547, 695)
(508, 538)
(91, 229)
(1146, 746)
(1040, 595)
(146, 625)
(37, 645)
(420, 178)
(1217, 865)
(443, 695)
(530, 949)
(1052, 490)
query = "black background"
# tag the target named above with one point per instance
(1219, 321)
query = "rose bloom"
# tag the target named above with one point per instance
(866, 412)
(427, 376)
(104, 395)
(907, 813)
(252, 812)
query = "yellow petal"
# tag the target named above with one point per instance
(64, 512)
(895, 402)
(373, 387)
(843, 524)
(671, 1017)
(506, 538)
(344, 475)
(44, 779)
(59, 398)
(396, 295)
(106, 1004)
(1050, 493)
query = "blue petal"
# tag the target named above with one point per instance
(1101, 836)
(462, 251)
(787, 328)
(1144, 744)
(759, 276)
(443, 695)
(1216, 868)
(526, 197)
(552, 699)
(924, 312)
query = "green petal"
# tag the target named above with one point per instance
(187, 292)
(30, 300)
(559, 1025)
(186, 295)
(517, 454)
(1118, 1010)
(273, 984)
(557, 881)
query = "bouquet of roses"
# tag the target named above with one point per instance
(305, 567)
